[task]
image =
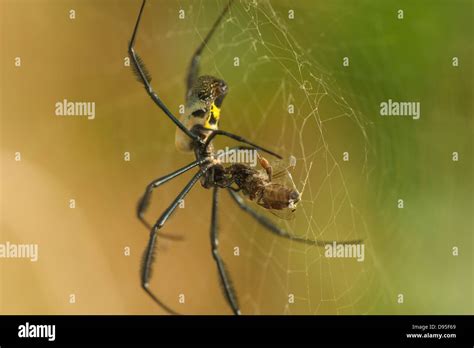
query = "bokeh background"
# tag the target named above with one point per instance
(283, 61)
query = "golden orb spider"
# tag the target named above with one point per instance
(195, 133)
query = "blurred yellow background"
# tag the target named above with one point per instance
(283, 61)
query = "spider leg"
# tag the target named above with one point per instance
(215, 132)
(149, 254)
(193, 70)
(144, 77)
(145, 199)
(226, 282)
(265, 222)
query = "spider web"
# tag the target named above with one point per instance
(275, 73)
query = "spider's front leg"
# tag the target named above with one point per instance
(145, 199)
(149, 254)
(226, 282)
(267, 223)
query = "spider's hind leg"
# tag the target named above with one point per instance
(193, 70)
(144, 77)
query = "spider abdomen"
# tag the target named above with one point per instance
(203, 108)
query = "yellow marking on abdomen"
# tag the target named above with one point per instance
(182, 141)
(213, 119)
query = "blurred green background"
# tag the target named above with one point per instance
(283, 61)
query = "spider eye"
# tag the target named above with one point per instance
(199, 113)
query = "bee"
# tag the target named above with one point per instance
(260, 187)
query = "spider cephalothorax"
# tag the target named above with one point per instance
(195, 132)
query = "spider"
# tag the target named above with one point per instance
(195, 133)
